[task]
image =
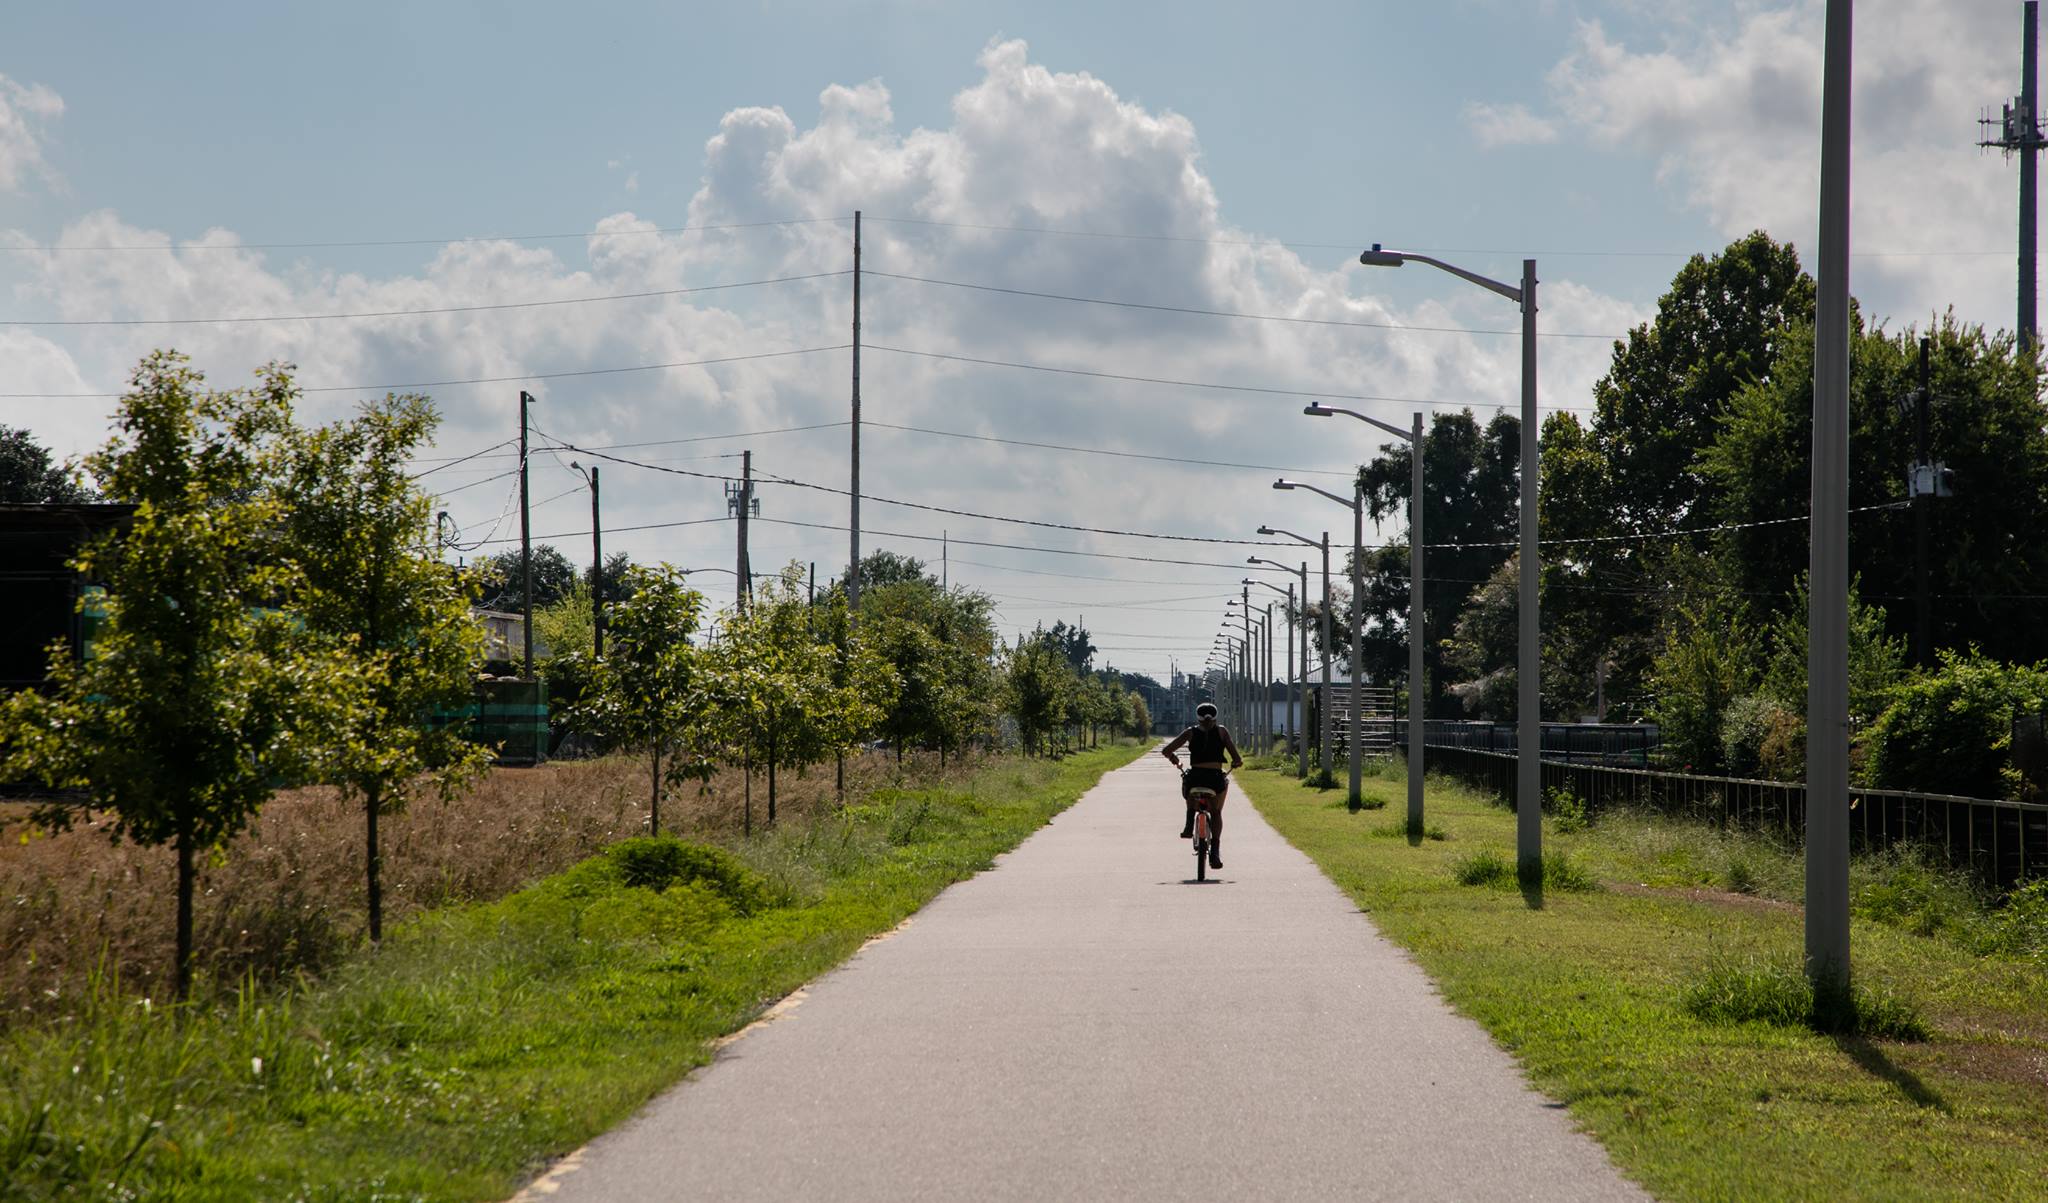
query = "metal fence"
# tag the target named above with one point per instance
(2003, 842)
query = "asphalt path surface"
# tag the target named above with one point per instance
(1085, 1022)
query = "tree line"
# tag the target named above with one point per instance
(275, 612)
(1675, 540)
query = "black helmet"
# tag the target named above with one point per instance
(1206, 710)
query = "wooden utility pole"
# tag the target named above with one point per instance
(596, 571)
(2018, 132)
(525, 538)
(853, 518)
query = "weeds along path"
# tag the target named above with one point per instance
(1082, 1022)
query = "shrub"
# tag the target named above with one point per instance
(1746, 726)
(1489, 868)
(1950, 732)
(1401, 830)
(1566, 809)
(1741, 877)
(1486, 868)
(1778, 993)
(1903, 889)
(655, 862)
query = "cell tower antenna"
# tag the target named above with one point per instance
(2018, 131)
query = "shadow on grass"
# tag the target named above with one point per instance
(1874, 1062)
(1529, 875)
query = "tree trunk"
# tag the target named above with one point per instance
(181, 974)
(839, 776)
(373, 796)
(747, 792)
(654, 790)
(771, 780)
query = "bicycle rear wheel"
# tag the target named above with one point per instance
(1201, 845)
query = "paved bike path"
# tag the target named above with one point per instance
(1084, 1022)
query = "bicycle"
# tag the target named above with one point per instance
(1201, 796)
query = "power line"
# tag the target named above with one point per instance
(1170, 459)
(1078, 576)
(451, 462)
(1051, 551)
(1232, 388)
(1229, 313)
(421, 384)
(609, 530)
(329, 317)
(307, 246)
(1678, 533)
(1354, 247)
(918, 505)
(702, 438)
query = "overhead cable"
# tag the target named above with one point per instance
(329, 317)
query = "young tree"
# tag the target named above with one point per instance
(653, 689)
(787, 692)
(1040, 683)
(357, 532)
(203, 693)
(504, 581)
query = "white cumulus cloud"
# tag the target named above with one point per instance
(25, 111)
(1508, 125)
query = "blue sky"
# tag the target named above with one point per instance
(1607, 138)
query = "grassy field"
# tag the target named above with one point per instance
(1613, 995)
(483, 1039)
(286, 897)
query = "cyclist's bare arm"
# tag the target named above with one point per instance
(1169, 750)
(1230, 745)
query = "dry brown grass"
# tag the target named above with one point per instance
(287, 897)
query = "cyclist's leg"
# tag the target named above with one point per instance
(1216, 827)
(1187, 828)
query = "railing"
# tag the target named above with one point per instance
(2003, 842)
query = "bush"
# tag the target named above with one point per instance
(1566, 809)
(1489, 868)
(1903, 889)
(1778, 993)
(1950, 732)
(1747, 726)
(656, 862)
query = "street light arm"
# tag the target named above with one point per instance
(1379, 258)
(1320, 411)
(1274, 530)
(1347, 502)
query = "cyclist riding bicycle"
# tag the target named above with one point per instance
(1206, 742)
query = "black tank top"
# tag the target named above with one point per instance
(1205, 747)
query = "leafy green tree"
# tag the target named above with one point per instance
(1877, 660)
(939, 643)
(1471, 476)
(1711, 659)
(1613, 491)
(203, 694)
(653, 688)
(1074, 644)
(28, 476)
(1139, 724)
(503, 582)
(788, 694)
(1987, 565)
(357, 532)
(1951, 731)
(1040, 680)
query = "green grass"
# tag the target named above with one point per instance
(1665, 1010)
(480, 1041)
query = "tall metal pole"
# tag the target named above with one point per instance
(1357, 636)
(1827, 644)
(525, 538)
(1266, 681)
(1415, 629)
(1529, 657)
(2029, 69)
(1329, 649)
(1301, 683)
(596, 572)
(1923, 613)
(853, 517)
(1293, 684)
(1244, 608)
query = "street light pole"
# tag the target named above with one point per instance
(525, 538)
(1323, 712)
(1528, 656)
(1827, 642)
(1287, 593)
(1415, 579)
(1357, 504)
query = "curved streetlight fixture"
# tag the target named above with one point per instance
(1528, 664)
(1415, 630)
(596, 561)
(1357, 506)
